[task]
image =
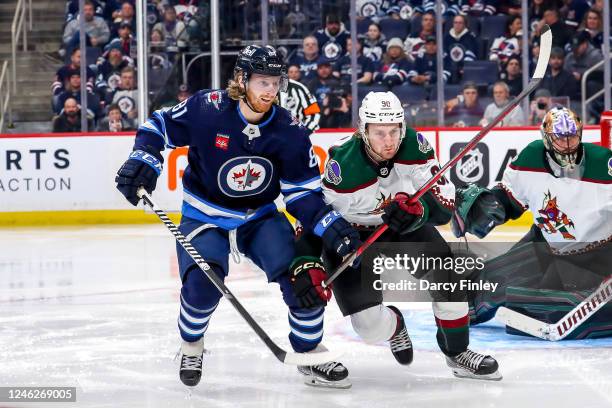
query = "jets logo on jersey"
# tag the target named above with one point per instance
(331, 50)
(245, 176)
(552, 219)
(457, 52)
(222, 141)
(126, 104)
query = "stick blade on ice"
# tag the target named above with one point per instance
(523, 323)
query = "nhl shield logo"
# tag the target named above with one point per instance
(473, 167)
(244, 176)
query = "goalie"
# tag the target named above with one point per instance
(567, 186)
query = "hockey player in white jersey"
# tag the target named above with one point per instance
(567, 186)
(368, 180)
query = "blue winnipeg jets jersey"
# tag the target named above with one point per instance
(235, 169)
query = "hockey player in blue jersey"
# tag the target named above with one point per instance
(244, 151)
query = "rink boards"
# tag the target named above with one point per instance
(69, 178)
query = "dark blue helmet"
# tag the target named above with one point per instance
(255, 59)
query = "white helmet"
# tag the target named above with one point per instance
(380, 107)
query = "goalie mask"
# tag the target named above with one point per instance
(380, 108)
(562, 133)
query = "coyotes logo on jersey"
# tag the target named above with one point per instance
(381, 202)
(552, 219)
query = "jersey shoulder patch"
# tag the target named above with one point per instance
(598, 165)
(531, 157)
(216, 99)
(347, 169)
(415, 149)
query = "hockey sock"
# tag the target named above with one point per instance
(306, 328)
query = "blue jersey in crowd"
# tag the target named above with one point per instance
(236, 170)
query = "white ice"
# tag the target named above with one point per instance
(96, 308)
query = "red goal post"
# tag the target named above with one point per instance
(606, 129)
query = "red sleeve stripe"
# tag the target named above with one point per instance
(353, 189)
(453, 324)
(522, 168)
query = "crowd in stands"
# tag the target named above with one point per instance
(110, 28)
(396, 50)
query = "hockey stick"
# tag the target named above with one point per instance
(567, 324)
(545, 47)
(304, 359)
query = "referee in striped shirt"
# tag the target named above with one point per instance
(299, 101)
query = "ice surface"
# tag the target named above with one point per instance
(96, 308)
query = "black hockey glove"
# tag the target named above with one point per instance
(141, 169)
(477, 211)
(306, 274)
(403, 217)
(337, 234)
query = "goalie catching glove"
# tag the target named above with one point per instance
(477, 211)
(142, 168)
(306, 274)
(404, 217)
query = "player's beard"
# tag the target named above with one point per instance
(258, 105)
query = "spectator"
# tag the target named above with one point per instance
(182, 94)
(307, 58)
(537, 9)
(512, 75)
(73, 9)
(583, 55)
(125, 15)
(416, 40)
(557, 80)
(394, 67)
(173, 31)
(109, 71)
(69, 118)
(575, 11)
(97, 31)
(425, 66)
(451, 8)
(539, 106)
(332, 38)
(63, 74)
(124, 39)
(460, 44)
(509, 44)
(561, 33)
(342, 67)
(73, 90)
(327, 92)
(478, 8)
(593, 25)
(465, 109)
(293, 72)
(501, 98)
(115, 122)
(374, 43)
(126, 94)
(156, 41)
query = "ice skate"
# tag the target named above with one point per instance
(331, 374)
(470, 364)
